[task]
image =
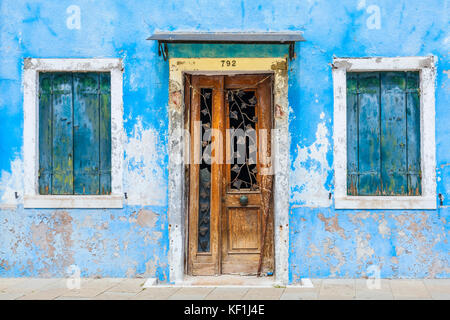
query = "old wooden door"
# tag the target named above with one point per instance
(230, 180)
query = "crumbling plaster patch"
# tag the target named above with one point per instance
(398, 244)
(53, 238)
(144, 177)
(311, 170)
(146, 218)
(332, 225)
(10, 183)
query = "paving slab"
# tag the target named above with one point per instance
(9, 282)
(227, 294)
(90, 288)
(28, 285)
(156, 293)
(337, 289)
(373, 289)
(83, 292)
(74, 298)
(128, 285)
(409, 289)
(45, 294)
(439, 289)
(10, 296)
(305, 283)
(197, 293)
(105, 283)
(264, 294)
(107, 295)
(124, 289)
(301, 293)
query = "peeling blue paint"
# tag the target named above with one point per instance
(104, 243)
(343, 244)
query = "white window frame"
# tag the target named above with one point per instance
(427, 71)
(32, 198)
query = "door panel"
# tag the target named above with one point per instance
(230, 215)
(244, 229)
(248, 107)
(205, 177)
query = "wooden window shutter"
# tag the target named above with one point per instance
(105, 133)
(45, 133)
(62, 134)
(74, 133)
(383, 133)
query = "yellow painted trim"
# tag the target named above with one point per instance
(226, 64)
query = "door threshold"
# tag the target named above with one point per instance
(234, 281)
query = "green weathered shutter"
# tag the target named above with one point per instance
(393, 133)
(105, 133)
(369, 134)
(45, 133)
(413, 130)
(62, 135)
(383, 133)
(352, 134)
(86, 133)
(74, 133)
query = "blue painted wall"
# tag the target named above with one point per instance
(324, 242)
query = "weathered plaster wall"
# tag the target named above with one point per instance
(129, 242)
(115, 243)
(326, 242)
(134, 241)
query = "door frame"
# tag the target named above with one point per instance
(221, 259)
(177, 209)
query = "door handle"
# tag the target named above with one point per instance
(243, 200)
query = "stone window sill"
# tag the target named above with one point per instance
(385, 202)
(73, 202)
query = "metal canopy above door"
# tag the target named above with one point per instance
(226, 37)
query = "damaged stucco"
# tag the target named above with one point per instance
(349, 244)
(118, 243)
(311, 167)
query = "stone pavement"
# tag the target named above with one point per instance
(206, 289)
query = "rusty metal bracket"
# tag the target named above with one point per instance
(291, 50)
(163, 50)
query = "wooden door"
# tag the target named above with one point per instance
(230, 214)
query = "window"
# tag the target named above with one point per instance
(383, 134)
(73, 120)
(74, 133)
(384, 149)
